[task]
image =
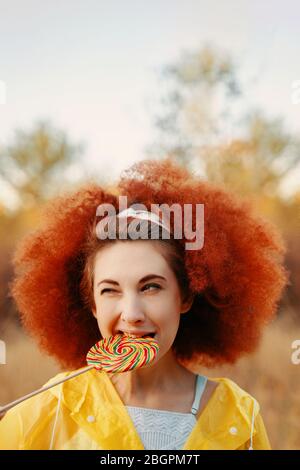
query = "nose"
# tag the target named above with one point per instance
(132, 311)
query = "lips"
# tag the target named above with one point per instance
(138, 334)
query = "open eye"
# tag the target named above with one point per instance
(152, 284)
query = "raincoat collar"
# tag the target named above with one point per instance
(95, 405)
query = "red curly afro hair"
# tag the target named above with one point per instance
(237, 278)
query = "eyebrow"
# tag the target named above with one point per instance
(145, 278)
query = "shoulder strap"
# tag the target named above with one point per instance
(200, 386)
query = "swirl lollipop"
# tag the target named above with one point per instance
(121, 353)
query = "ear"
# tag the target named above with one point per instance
(187, 303)
(94, 312)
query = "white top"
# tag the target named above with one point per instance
(166, 430)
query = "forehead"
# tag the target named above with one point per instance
(138, 258)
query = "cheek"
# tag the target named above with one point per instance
(105, 313)
(167, 314)
(169, 304)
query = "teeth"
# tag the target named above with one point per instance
(138, 336)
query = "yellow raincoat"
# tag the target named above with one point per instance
(87, 413)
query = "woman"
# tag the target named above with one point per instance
(205, 307)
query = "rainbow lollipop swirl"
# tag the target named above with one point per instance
(121, 353)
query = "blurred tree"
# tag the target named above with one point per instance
(198, 125)
(256, 164)
(192, 110)
(34, 165)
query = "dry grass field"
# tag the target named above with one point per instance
(268, 375)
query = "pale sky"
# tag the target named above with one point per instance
(91, 67)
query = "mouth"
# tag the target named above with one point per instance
(137, 335)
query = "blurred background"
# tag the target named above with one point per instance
(87, 88)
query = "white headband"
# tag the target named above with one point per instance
(142, 214)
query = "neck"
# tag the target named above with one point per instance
(164, 377)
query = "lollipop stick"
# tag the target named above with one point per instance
(42, 389)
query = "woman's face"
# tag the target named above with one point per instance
(127, 301)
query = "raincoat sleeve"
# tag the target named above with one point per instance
(27, 423)
(260, 437)
(11, 435)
